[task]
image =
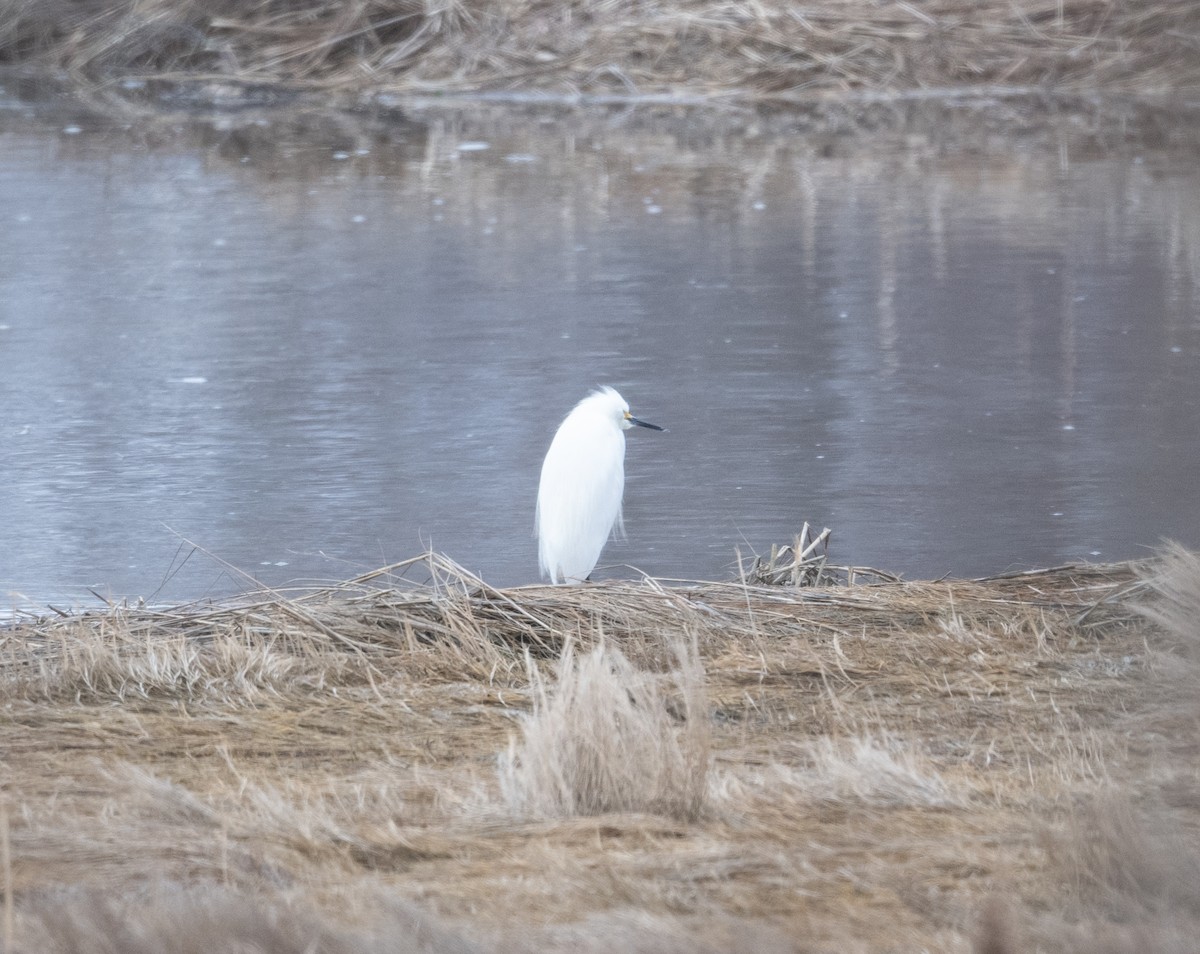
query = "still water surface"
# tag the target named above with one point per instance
(315, 354)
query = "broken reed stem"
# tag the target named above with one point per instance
(798, 564)
(822, 538)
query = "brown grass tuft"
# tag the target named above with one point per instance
(1132, 865)
(880, 770)
(1174, 584)
(1134, 880)
(606, 737)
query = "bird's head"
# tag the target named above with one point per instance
(613, 404)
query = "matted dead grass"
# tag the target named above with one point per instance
(442, 766)
(624, 47)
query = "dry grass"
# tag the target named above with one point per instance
(1176, 606)
(1133, 885)
(603, 740)
(442, 766)
(624, 47)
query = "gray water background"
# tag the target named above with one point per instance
(313, 346)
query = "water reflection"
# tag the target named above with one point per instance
(313, 345)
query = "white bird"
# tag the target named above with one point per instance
(583, 479)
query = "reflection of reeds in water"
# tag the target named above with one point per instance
(697, 46)
(713, 767)
(950, 180)
(766, 183)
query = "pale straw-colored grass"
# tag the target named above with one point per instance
(1128, 852)
(883, 771)
(855, 766)
(608, 737)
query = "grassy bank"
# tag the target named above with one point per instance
(628, 47)
(997, 765)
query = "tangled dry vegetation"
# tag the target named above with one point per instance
(626, 47)
(441, 767)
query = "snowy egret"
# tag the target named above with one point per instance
(583, 478)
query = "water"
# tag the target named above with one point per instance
(310, 347)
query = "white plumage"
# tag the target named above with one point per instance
(583, 479)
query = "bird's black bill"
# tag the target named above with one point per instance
(653, 427)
